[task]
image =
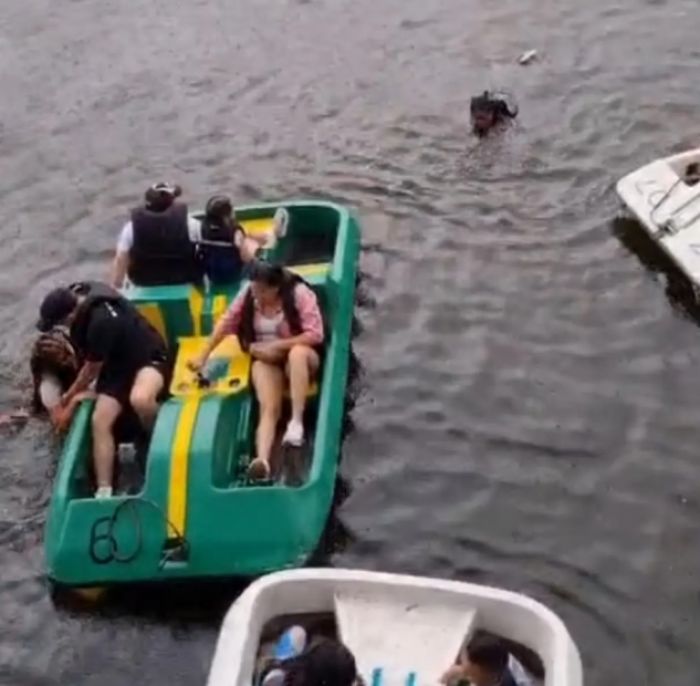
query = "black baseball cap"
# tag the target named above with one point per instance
(56, 306)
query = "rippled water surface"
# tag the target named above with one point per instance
(529, 412)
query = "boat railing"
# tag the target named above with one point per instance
(670, 225)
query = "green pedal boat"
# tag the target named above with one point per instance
(192, 512)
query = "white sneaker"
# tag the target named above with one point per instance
(294, 435)
(103, 492)
(281, 222)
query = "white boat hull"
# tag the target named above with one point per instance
(408, 629)
(668, 208)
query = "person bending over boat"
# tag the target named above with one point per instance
(223, 245)
(121, 351)
(489, 110)
(486, 662)
(278, 320)
(157, 246)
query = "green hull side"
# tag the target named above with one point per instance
(231, 529)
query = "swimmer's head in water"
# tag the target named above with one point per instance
(160, 196)
(487, 110)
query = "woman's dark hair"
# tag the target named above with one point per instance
(325, 663)
(273, 275)
(285, 282)
(489, 653)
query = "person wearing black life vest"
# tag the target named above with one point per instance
(157, 247)
(121, 351)
(224, 247)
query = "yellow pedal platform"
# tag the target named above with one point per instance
(226, 372)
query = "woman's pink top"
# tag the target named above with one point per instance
(307, 306)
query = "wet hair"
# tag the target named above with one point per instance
(53, 353)
(489, 653)
(325, 663)
(494, 105)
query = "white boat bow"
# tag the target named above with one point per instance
(403, 630)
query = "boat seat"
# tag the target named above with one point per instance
(229, 364)
(174, 311)
(371, 623)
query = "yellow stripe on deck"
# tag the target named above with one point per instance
(307, 270)
(179, 467)
(258, 227)
(151, 312)
(196, 302)
(217, 309)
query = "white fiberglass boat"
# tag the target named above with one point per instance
(401, 629)
(665, 197)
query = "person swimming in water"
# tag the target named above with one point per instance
(488, 110)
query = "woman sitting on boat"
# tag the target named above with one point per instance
(278, 321)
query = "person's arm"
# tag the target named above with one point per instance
(120, 263)
(311, 321)
(120, 268)
(87, 374)
(227, 325)
(61, 415)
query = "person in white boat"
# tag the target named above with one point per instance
(325, 662)
(692, 174)
(485, 661)
(278, 320)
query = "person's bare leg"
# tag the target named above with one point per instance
(268, 381)
(302, 363)
(106, 412)
(144, 395)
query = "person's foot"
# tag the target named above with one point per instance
(294, 435)
(258, 470)
(281, 222)
(103, 492)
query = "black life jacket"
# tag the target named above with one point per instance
(246, 332)
(220, 257)
(162, 253)
(96, 294)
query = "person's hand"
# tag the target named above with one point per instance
(197, 364)
(453, 674)
(267, 352)
(65, 399)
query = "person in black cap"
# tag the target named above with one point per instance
(157, 246)
(325, 663)
(119, 349)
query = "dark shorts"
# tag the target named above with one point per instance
(117, 380)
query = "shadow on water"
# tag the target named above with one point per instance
(679, 290)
